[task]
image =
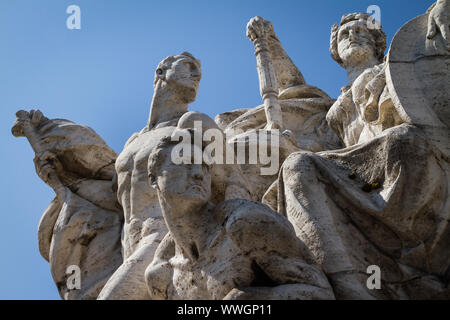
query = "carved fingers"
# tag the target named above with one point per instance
(22, 120)
(22, 114)
(36, 116)
(439, 21)
(26, 120)
(258, 28)
(47, 167)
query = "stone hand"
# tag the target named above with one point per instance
(258, 28)
(439, 20)
(242, 294)
(250, 293)
(47, 167)
(25, 121)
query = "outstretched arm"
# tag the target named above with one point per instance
(159, 273)
(286, 72)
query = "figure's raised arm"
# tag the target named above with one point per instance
(287, 73)
(82, 225)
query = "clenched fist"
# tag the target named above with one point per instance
(47, 167)
(258, 28)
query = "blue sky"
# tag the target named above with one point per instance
(102, 76)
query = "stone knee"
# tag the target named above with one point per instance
(407, 142)
(408, 147)
(299, 169)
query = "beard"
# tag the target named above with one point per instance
(356, 54)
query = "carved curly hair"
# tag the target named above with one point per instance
(377, 33)
(158, 157)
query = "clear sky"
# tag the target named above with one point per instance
(102, 76)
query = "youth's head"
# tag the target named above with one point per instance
(353, 43)
(181, 74)
(178, 184)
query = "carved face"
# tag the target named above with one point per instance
(184, 77)
(356, 44)
(184, 183)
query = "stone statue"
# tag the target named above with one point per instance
(417, 70)
(82, 225)
(176, 85)
(364, 181)
(382, 200)
(299, 108)
(223, 251)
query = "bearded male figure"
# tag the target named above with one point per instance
(382, 200)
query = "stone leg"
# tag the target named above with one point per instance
(311, 211)
(128, 282)
(380, 203)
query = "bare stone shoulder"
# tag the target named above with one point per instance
(159, 273)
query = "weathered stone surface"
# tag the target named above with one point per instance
(224, 251)
(176, 84)
(382, 200)
(302, 108)
(418, 77)
(363, 181)
(82, 225)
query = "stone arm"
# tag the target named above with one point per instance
(288, 75)
(283, 265)
(82, 225)
(48, 167)
(286, 72)
(159, 273)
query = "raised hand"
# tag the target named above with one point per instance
(258, 28)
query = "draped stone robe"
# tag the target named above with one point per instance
(383, 200)
(81, 228)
